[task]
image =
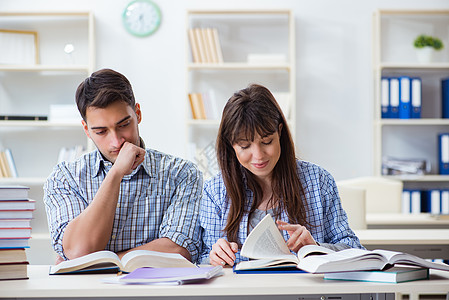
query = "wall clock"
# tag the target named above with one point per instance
(141, 17)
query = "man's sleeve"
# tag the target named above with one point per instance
(62, 204)
(180, 223)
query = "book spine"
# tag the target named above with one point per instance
(443, 153)
(445, 97)
(416, 98)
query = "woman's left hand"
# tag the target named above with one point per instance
(299, 235)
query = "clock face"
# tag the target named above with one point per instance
(141, 17)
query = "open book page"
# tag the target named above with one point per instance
(145, 258)
(344, 260)
(265, 241)
(308, 250)
(409, 259)
(93, 261)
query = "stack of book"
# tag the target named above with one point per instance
(15, 231)
(205, 45)
(204, 106)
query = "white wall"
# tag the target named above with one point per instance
(334, 77)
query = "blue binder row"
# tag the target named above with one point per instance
(434, 201)
(401, 97)
(443, 153)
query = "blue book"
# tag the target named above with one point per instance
(404, 97)
(394, 98)
(392, 275)
(443, 153)
(384, 97)
(445, 98)
(416, 98)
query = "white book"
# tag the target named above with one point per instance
(435, 202)
(445, 202)
(415, 202)
(405, 202)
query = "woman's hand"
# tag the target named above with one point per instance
(223, 252)
(299, 235)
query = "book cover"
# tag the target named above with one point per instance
(183, 275)
(9, 271)
(392, 275)
(13, 192)
(14, 243)
(12, 233)
(16, 214)
(18, 204)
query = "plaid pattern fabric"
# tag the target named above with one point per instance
(324, 212)
(159, 199)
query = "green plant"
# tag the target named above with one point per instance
(428, 41)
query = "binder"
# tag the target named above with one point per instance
(445, 97)
(416, 97)
(433, 205)
(404, 97)
(415, 202)
(384, 97)
(443, 153)
(445, 202)
(394, 98)
(406, 194)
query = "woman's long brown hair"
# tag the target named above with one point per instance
(250, 110)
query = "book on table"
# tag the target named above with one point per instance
(10, 271)
(392, 275)
(169, 275)
(13, 192)
(267, 248)
(108, 261)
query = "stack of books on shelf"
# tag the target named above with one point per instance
(16, 212)
(433, 201)
(205, 45)
(401, 97)
(70, 153)
(204, 106)
(7, 164)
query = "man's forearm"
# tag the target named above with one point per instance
(161, 245)
(91, 230)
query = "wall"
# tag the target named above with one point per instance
(334, 74)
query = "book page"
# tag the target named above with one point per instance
(307, 250)
(265, 241)
(102, 259)
(146, 258)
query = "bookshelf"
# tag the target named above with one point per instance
(394, 55)
(28, 89)
(256, 46)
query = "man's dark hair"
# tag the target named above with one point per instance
(103, 88)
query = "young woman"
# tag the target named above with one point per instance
(260, 175)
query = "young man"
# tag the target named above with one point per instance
(121, 197)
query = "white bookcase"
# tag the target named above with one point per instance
(30, 89)
(270, 34)
(395, 55)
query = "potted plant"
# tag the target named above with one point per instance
(426, 45)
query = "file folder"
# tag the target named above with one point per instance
(384, 97)
(416, 98)
(443, 153)
(394, 98)
(404, 97)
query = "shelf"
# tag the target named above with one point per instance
(412, 122)
(413, 65)
(41, 124)
(41, 68)
(422, 178)
(238, 66)
(23, 181)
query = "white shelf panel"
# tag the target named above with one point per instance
(409, 122)
(41, 68)
(48, 124)
(413, 65)
(238, 66)
(422, 178)
(203, 122)
(23, 181)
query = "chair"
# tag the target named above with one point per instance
(354, 203)
(382, 195)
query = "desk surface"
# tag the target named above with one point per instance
(42, 285)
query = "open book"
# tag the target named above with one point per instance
(108, 261)
(267, 247)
